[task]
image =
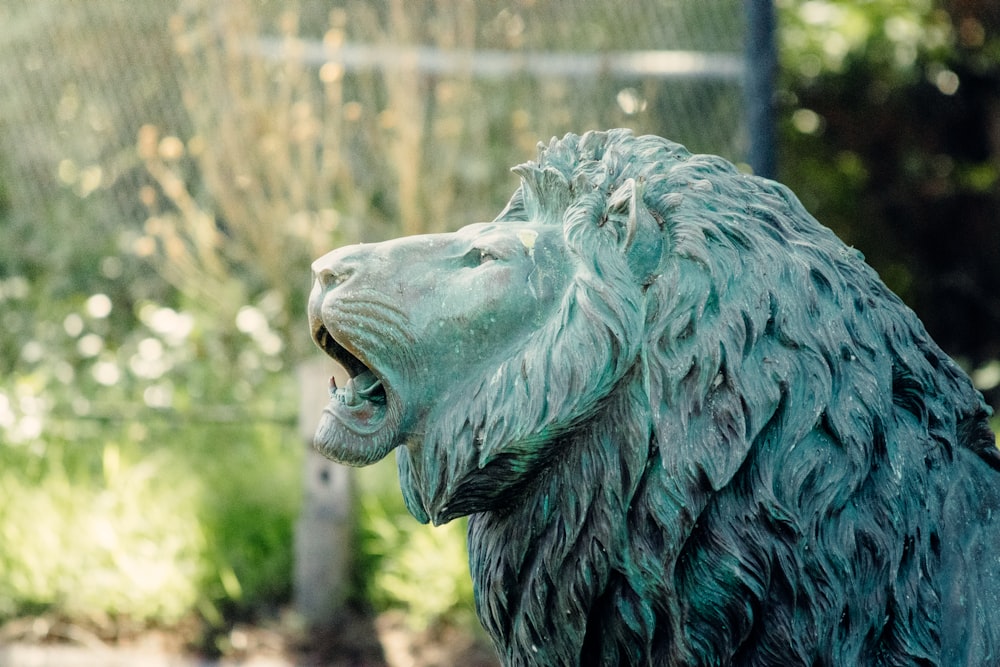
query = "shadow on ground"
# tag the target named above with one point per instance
(354, 639)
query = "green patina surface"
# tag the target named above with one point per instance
(691, 426)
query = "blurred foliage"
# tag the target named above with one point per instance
(125, 541)
(408, 565)
(132, 487)
(891, 136)
(135, 489)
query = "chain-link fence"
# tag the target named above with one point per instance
(401, 114)
(226, 143)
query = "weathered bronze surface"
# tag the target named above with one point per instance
(690, 425)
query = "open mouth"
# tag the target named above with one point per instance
(361, 423)
(363, 396)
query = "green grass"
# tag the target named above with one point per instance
(421, 569)
(150, 523)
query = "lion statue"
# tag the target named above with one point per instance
(688, 424)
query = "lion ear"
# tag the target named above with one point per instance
(515, 208)
(639, 233)
(546, 193)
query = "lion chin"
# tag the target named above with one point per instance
(689, 425)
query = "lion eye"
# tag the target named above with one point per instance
(479, 256)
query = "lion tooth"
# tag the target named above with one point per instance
(349, 394)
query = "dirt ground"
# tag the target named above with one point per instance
(353, 640)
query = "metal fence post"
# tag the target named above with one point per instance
(761, 69)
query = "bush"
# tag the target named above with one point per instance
(126, 542)
(146, 469)
(406, 565)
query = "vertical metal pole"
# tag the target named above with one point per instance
(761, 70)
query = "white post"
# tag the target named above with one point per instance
(323, 535)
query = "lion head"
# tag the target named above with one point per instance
(688, 422)
(477, 349)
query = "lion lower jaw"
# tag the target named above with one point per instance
(342, 445)
(361, 423)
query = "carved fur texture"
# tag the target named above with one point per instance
(727, 444)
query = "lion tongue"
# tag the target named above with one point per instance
(361, 388)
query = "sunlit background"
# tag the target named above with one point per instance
(169, 169)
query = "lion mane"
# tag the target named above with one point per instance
(731, 445)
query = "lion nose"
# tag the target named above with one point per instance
(328, 278)
(334, 268)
